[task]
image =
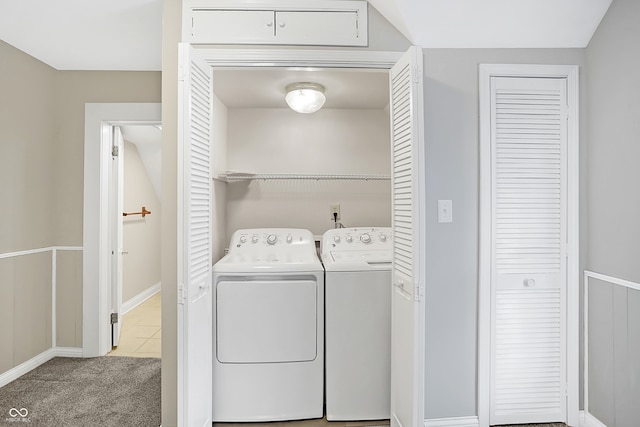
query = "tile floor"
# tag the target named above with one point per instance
(141, 334)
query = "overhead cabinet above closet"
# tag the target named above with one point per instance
(320, 23)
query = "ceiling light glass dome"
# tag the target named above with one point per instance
(305, 97)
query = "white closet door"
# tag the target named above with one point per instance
(194, 241)
(529, 237)
(408, 187)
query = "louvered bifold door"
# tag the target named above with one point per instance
(407, 334)
(529, 234)
(194, 241)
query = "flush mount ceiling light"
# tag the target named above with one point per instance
(305, 97)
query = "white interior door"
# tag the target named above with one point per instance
(528, 250)
(117, 202)
(408, 221)
(194, 241)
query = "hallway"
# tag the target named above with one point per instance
(141, 333)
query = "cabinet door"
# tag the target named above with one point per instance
(330, 28)
(233, 26)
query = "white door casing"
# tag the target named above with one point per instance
(96, 237)
(195, 349)
(116, 210)
(408, 222)
(410, 313)
(528, 267)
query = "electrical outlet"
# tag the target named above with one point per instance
(334, 209)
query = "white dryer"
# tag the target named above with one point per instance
(268, 343)
(357, 263)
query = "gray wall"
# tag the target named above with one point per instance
(613, 91)
(613, 61)
(452, 144)
(614, 354)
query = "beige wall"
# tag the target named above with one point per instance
(330, 141)
(41, 170)
(73, 90)
(141, 236)
(27, 149)
(171, 27)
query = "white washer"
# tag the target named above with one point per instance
(268, 323)
(357, 263)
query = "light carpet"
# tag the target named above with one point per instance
(77, 392)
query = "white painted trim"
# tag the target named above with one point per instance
(452, 422)
(39, 251)
(25, 367)
(611, 279)
(54, 297)
(68, 352)
(96, 334)
(591, 421)
(132, 303)
(300, 58)
(54, 281)
(571, 73)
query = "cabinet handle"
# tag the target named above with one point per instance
(529, 283)
(282, 24)
(270, 24)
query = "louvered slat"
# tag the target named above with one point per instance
(199, 176)
(402, 173)
(527, 355)
(527, 164)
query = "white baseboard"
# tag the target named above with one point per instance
(452, 422)
(68, 352)
(591, 421)
(14, 373)
(132, 303)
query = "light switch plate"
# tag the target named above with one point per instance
(445, 211)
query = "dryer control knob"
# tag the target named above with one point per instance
(349, 239)
(365, 238)
(289, 238)
(243, 239)
(383, 238)
(272, 239)
(336, 238)
(254, 238)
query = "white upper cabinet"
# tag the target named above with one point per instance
(319, 23)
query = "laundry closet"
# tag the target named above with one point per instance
(271, 167)
(274, 167)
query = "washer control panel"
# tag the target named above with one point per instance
(358, 238)
(256, 238)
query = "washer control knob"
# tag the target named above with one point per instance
(243, 239)
(349, 239)
(383, 238)
(336, 238)
(272, 239)
(254, 238)
(365, 238)
(289, 238)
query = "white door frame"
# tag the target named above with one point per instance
(96, 286)
(305, 58)
(570, 72)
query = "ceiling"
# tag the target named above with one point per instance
(265, 87)
(127, 34)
